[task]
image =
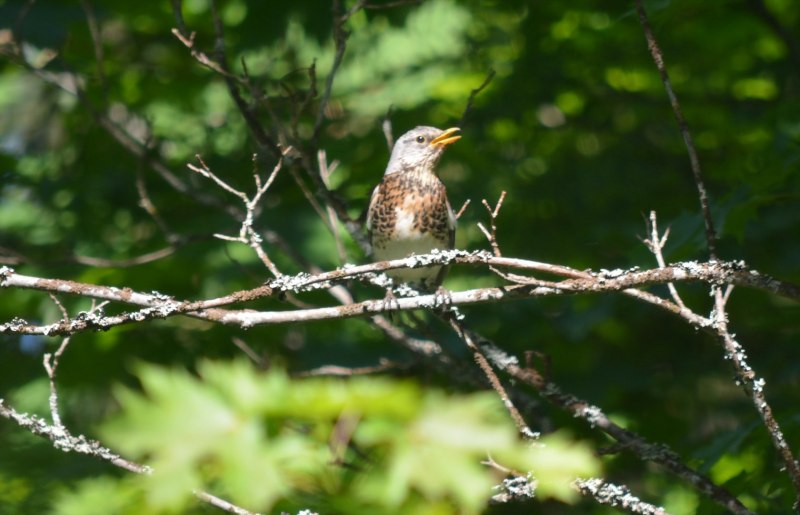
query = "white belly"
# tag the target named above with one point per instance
(408, 241)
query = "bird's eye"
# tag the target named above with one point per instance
(420, 139)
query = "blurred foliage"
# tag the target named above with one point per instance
(575, 126)
(254, 440)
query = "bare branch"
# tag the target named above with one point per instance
(339, 371)
(463, 208)
(97, 42)
(325, 171)
(161, 306)
(125, 263)
(222, 504)
(734, 351)
(493, 212)
(595, 418)
(66, 442)
(754, 387)
(150, 208)
(200, 57)
(247, 233)
(63, 440)
(51, 365)
(487, 370)
(386, 126)
(474, 93)
(618, 496)
(656, 244)
(206, 172)
(340, 42)
(658, 58)
(249, 352)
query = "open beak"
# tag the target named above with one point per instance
(447, 137)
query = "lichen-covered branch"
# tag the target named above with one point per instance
(156, 305)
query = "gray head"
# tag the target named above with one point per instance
(420, 148)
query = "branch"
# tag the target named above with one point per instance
(157, 305)
(754, 388)
(734, 351)
(137, 146)
(64, 441)
(340, 42)
(658, 58)
(220, 65)
(491, 376)
(474, 93)
(618, 496)
(656, 244)
(493, 212)
(595, 418)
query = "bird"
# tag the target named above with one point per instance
(409, 212)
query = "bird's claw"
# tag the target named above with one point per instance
(389, 302)
(442, 299)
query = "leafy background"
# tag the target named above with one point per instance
(575, 126)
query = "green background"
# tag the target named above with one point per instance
(575, 126)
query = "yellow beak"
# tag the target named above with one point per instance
(447, 137)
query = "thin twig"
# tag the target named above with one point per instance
(754, 387)
(493, 212)
(490, 374)
(734, 351)
(97, 42)
(474, 93)
(220, 503)
(386, 127)
(321, 212)
(249, 352)
(594, 417)
(220, 65)
(206, 172)
(340, 371)
(148, 257)
(247, 233)
(63, 440)
(51, 365)
(59, 305)
(150, 208)
(463, 208)
(325, 171)
(656, 244)
(658, 58)
(340, 43)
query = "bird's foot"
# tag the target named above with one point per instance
(442, 299)
(389, 302)
(443, 303)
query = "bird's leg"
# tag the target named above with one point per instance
(442, 300)
(389, 302)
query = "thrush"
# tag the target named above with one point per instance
(409, 212)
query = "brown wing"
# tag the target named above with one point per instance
(370, 216)
(451, 217)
